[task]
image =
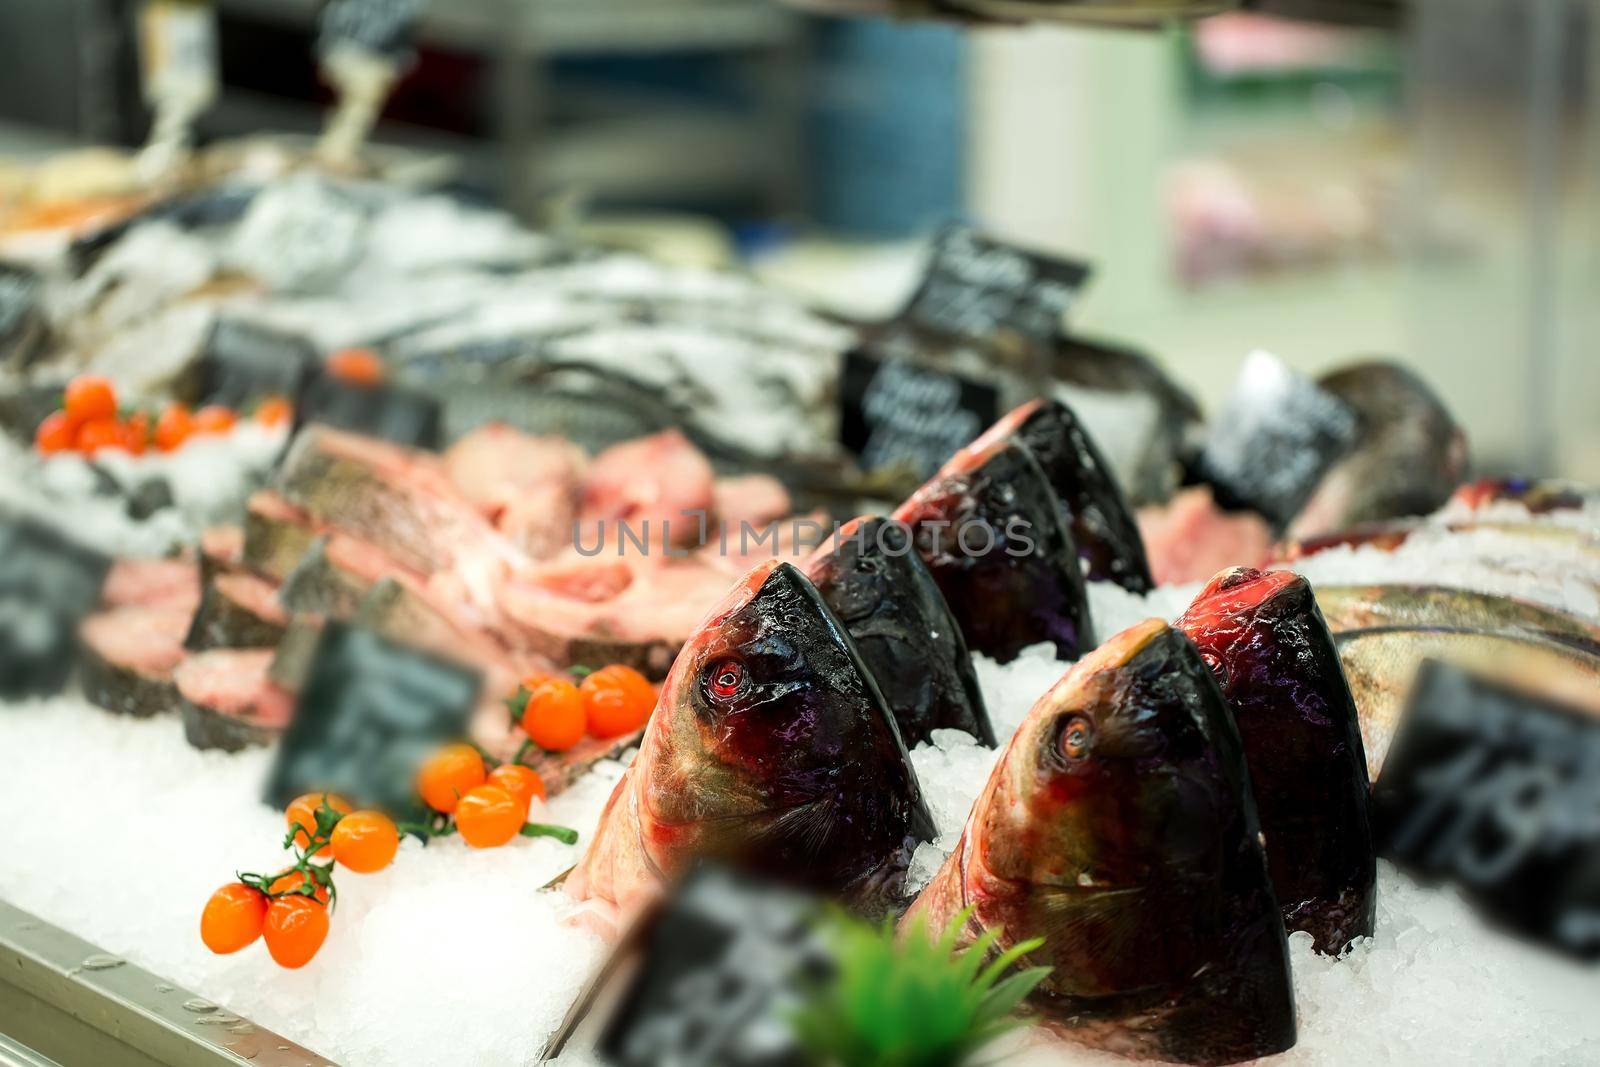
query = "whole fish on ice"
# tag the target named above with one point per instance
(1381, 666)
(1376, 607)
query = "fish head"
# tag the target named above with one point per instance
(1239, 612)
(772, 746)
(1009, 425)
(989, 528)
(873, 579)
(855, 567)
(1111, 780)
(1266, 642)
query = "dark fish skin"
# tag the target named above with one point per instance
(1020, 586)
(771, 748)
(1092, 506)
(1409, 458)
(1265, 638)
(887, 600)
(1118, 825)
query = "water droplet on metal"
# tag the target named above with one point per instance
(283, 1048)
(241, 1027)
(198, 1004)
(101, 962)
(162, 987)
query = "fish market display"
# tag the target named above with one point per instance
(1423, 607)
(1092, 506)
(1275, 661)
(771, 745)
(1118, 825)
(988, 526)
(1381, 666)
(887, 600)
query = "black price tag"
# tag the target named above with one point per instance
(379, 26)
(370, 712)
(1277, 436)
(1498, 791)
(977, 287)
(895, 410)
(47, 585)
(722, 967)
(405, 416)
(243, 362)
(21, 321)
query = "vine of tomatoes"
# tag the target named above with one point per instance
(289, 908)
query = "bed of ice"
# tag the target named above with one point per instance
(210, 478)
(118, 831)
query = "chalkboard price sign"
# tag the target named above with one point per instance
(1498, 791)
(1278, 435)
(21, 322)
(244, 362)
(977, 287)
(391, 412)
(720, 975)
(370, 712)
(382, 27)
(895, 410)
(47, 584)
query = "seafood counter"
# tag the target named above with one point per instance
(534, 579)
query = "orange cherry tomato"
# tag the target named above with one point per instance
(173, 428)
(136, 433)
(90, 398)
(448, 775)
(488, 816)
(554, 717)
(294, 880)
(301, 814)
(523, 783)
(57, 433)
(97, 435)
(358, 366)
(617, 700)
(365, 841)
(232, 918)
(214, 418)
(274, 411)
(295, 929)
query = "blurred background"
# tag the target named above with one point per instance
(1323, 190)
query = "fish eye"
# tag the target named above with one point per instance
(1219, 669)
(725, 679)
(1076, 737)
